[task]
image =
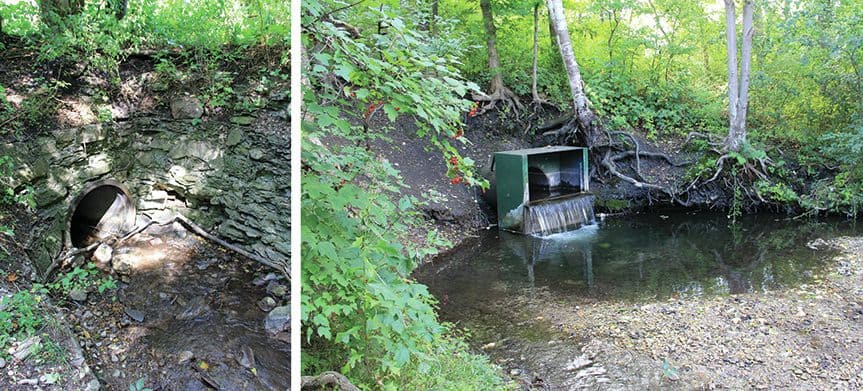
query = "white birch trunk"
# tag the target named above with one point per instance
(533, 89)
(738, 84)
(576, 83)
(731, 46)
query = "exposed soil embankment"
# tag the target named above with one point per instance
(458, 211)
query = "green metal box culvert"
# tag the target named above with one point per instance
(530, 176)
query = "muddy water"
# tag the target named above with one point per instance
(198, 323)
(495, 286)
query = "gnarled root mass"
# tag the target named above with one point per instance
(500, 94)
(619, 154)
(614, 151)
(326, 380)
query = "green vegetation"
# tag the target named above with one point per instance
(657, 69)
(85, 279)
(194, 39)
(362, 314)
(20, 317)
(139, 385)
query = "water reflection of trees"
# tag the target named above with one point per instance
(689, 255)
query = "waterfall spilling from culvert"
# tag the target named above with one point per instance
(559, 215)
(542, 191)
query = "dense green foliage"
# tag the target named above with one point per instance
(659, 67)
(20, 316)
(97, 39)
(361, 313)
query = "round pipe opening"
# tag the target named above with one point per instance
(102, 209)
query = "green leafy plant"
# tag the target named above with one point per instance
(669, 371)
(87, 278)
(361, 312)
(139, 385)
(20, 316)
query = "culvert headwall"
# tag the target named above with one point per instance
(232, 180)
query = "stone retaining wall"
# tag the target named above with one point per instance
(232, 178)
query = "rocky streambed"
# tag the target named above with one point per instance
(186, 315)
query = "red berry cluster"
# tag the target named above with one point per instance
(453, 161)
(373, 107)
(473, 109)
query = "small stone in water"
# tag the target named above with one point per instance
(264, 279)
(278, 320)
(277, 289)
(248, 359)
(266, 304)
(578, 363)
(2, 363)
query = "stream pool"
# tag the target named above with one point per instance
(491, 286)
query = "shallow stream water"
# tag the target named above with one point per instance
(493, 285)
(189, 318)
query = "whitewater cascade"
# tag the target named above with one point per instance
(559, 215)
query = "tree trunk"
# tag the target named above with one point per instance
(584, 115)
(120, 7)
(434, 18)
(738, 84)
(491, 43)
(533, 90)
(499, 92)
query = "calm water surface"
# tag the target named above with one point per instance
(493, 285)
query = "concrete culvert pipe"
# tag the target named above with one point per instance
(102, 209)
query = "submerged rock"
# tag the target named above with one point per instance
(185, 356)
(277, 289)
(195, 308)
(266, 304)
(136, 315)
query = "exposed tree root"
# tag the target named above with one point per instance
(328, 379)
(501, 94)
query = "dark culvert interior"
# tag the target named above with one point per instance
(101, 210)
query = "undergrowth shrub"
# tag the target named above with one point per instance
(362, 314)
